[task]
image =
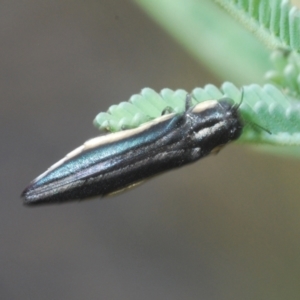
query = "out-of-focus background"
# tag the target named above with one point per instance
(226, 227)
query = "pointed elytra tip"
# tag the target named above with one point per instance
(28, 199)
(25, 198)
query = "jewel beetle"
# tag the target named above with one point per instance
(113, 162)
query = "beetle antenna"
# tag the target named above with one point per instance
(237, 106)
(188, 101)
(255, 125)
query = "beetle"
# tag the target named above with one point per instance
(117, 161)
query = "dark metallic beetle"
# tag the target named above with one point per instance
(116, 161)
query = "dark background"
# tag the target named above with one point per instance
(225, 228)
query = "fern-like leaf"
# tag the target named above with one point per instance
(286, 71)
(275, 22)
(265, 107)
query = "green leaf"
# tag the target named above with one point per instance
(275, 22)
(286, 71)
(212, 37)
(262, 107)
